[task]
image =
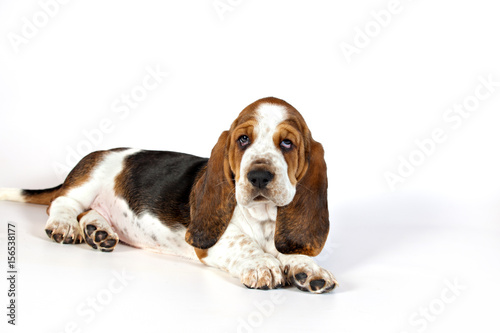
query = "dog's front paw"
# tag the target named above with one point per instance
(264, 272)
(306, 275)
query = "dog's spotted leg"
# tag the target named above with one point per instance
(98, 232)
(62, 225)
(306, 275)
(240, 256)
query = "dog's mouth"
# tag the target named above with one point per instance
(259, 198)
(262, 197)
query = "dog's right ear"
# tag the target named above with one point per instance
(212, 198)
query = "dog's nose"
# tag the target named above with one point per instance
(260, 178)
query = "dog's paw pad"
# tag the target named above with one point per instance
(301, 277)
(100, 239)
(100, 235)
(90, 229)
(317, 284)
(58, 238)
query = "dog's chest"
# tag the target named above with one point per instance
(259, 223)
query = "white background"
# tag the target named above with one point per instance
(394, 252)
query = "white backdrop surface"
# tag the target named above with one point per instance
(404, 96)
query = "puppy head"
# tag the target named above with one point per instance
(267, 156)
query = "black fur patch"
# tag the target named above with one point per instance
(159, 182)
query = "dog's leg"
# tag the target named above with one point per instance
(98, 232)
(62, 225)
(242, 257)
(305, 274)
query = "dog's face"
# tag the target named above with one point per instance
(267, 157)
(266, 152)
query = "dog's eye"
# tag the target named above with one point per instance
(243, 141)
(286, 145)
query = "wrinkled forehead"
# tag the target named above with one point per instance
(268, 113)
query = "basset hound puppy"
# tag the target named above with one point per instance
(257, 208)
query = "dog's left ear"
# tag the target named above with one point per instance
(212, 199)
(302, 226)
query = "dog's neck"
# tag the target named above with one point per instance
(260, 212)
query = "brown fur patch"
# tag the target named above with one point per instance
(79, 175)
(295, 158)
(82, 171)
(302, 226)
(201, 254)
(235, 152)
(41, 197)
(79, 217)
(212, 199)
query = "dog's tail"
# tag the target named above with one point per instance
(41, 197)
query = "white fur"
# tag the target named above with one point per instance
(11, 194)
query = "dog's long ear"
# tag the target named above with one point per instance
(212, 199)
(302, 226)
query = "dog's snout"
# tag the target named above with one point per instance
(260, 178)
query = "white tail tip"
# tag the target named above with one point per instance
(11, 194)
